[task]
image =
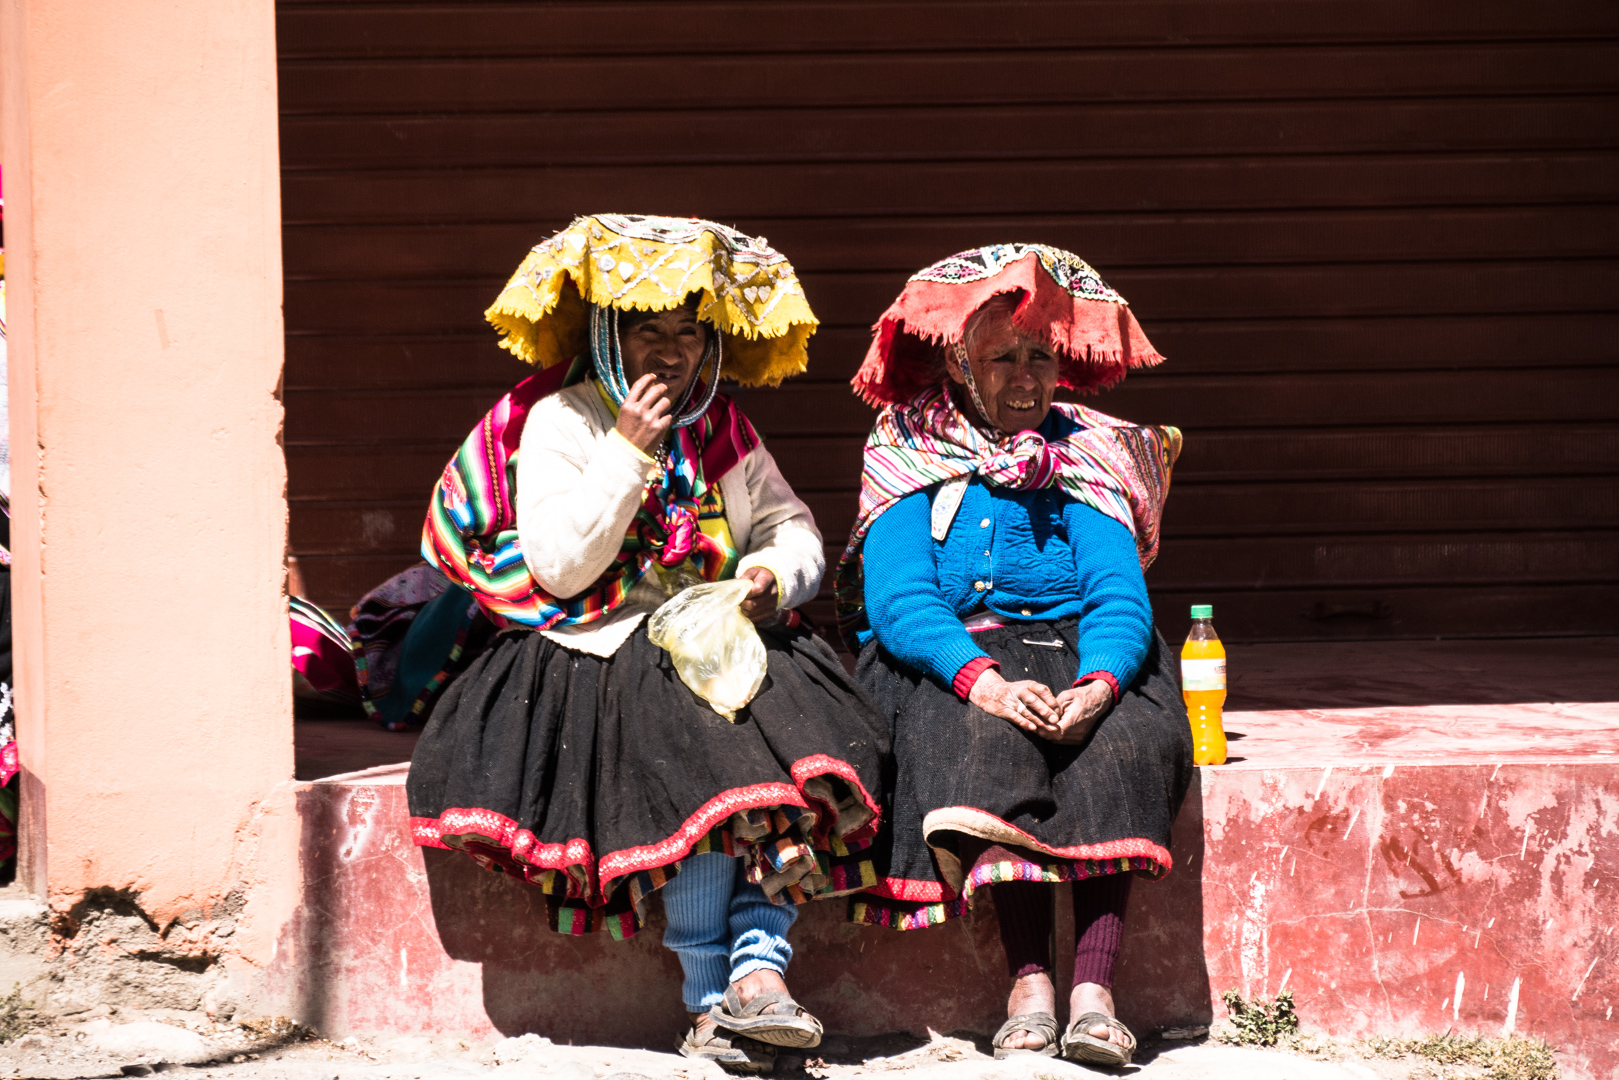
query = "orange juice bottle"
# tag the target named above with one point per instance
(1203, 686)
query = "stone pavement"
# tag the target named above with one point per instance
(193, 1047)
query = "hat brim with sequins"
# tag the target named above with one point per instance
(747, 290)
(1063, 302)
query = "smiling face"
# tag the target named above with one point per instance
(1016, 375)
(666, 344)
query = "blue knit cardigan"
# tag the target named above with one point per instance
(1024, 555)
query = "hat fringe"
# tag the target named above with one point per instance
(748, 292)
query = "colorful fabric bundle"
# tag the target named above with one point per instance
(1062, 302)
(410, 636)
(322, 662)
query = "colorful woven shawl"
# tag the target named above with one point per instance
(471, 529)
(1120, 469)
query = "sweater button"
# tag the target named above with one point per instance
(984, 524)
(979, 586)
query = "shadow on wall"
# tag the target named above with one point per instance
(859, 980)
(1162, 979)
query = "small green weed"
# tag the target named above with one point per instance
(16, 1015)
(1511, 1058)
(1260, 1022)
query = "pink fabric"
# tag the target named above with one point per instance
(1098, 340)
(327, 665)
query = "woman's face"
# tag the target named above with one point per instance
(667, 345)
(1016, 375)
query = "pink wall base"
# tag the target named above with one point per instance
(1390, 897)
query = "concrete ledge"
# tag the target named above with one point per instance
(1402, 870)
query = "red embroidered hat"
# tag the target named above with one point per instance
(1064, 303)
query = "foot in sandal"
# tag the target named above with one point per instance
(1094, 1035)
(1031, 1023)
(707, 1041)
(759, 1006)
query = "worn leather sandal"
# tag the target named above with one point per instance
(796, 1028)
(1078, 1044)
(736, 1055)
(1043, 1024)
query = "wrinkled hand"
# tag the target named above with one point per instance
(1028, 704)
(1080, 709)
(644, 417)
(760, 603)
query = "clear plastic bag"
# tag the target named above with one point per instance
(715, 648)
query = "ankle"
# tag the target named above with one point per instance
(762, 981)
(1090, 997)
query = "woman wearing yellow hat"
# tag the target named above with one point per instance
(570, 754)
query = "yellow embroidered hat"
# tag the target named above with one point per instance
(635, 262)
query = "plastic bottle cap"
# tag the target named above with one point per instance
(1202, 611)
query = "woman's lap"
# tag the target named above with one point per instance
(964, 776)
(614, 766)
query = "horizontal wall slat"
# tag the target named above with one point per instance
(598, 83)
(862, 190)
(1193, 348)
(1193, 403)
(1185, 563)
(1262, 401)
(1560, 448)
(1446, 458)
(338, 581)
(1327, 614)
(1023, 132)
(1193, 511)
(1317, 455)
(1346, 508)
(387, 363)
(1286, 562)
(1276, 615)
(473, 29)
(398, 252)
(858, 299)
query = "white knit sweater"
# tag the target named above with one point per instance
(578, 485)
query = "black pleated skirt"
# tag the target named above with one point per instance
(593, 777)
(977, 800)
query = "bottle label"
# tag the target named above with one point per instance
(1203, 674)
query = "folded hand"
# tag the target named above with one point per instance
(1080, 709)
(1027, 703)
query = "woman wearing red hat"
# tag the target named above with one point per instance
(994, 588)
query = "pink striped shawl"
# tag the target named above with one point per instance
(1119, 468)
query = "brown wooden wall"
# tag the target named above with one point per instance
(1377, 240)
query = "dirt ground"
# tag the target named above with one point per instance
(136, 1043)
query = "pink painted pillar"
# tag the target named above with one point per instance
(143, 266)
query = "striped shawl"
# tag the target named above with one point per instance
(1120, 469)
(471, 529)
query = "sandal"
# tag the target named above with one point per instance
(1043, 1024)
(796, 1029)
(1078, 1044)
(737, 1055)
